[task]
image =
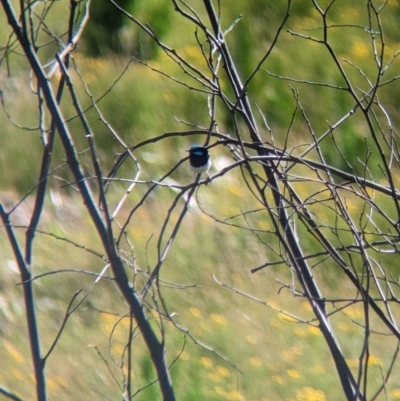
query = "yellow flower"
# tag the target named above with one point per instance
(354, 313)
(310, 394)
(218, 319)
(288, 354)
(205, 326)
(263, 225)
(235, 189)
(118, 349)
(215, 378)
(306, 305)
(108, 322)
(17, 375)
(222, 371)
(275, 323)
(314, 331)
(374, 360)
(299, 332)
(352, 362)
(62, 381)
(53, 386)
(195, 312)
(233, 395)
(220, 390)
(251, 339)
(293, 373)
(207, 362)
(286, 318)
(14, 353)
(185, 355)
(277, 379)
(272, 303)
(359, 49)
(344, 326)
(256, 361)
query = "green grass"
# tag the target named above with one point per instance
(279, 357)
(265, 355)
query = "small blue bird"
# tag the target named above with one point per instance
(199, 159)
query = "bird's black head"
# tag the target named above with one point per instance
(198, 156)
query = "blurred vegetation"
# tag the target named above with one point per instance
(281, 359)
(102, 32)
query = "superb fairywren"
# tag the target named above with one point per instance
(199, 159)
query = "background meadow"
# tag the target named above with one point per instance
(235, 335)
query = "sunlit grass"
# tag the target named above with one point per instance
(267, 344)
(280, 357)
